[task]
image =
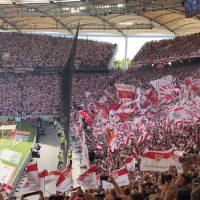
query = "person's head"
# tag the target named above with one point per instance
(195, 194)
(127, 191)
(136, 196)
(183, 193)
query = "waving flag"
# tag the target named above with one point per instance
(156, 160)
(130, 162)
(32, 181)
(112, 140)
(64, 182)
(121, 178)
(42, 176)
(164, 87)
(32, 173)
(175, 160)
(100, 146)
(88, 116)
(53, 175)
(180, 112)
(3, 192)
(193, 84)
(7, 188)
(125, 92)
(103, 100)
(88, 179)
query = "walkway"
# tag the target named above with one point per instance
(50, 147)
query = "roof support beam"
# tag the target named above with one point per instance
(172, 20)
(169, 13)
(11, 24)
(106, 21)
(185, 25)
(142, 14)
(58, 21)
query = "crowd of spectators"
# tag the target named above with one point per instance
(29, 94)
(43, 51)
(178, 46)
(133, 76)
(143, 185)
(40, 94)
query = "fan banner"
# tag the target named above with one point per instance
(156, 160)
(125, 92)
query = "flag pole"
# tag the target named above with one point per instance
(44, 185)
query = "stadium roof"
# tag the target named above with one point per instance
(114, 16)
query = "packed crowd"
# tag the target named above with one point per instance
(173, 184)
(40, 94)
(29, 94)
(42, 51)
(140, 76)
(168, 48)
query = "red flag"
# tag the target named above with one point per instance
(88, 116)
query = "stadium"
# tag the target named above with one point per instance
(76, 126)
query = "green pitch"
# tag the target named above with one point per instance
(23, 147)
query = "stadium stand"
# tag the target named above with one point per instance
(168, 48)
(42, 51)
(35, 94)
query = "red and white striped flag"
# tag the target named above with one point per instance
(130, 162)
(88, 179)
(100, 146)
(156, 160)
(64, 182)
(121, 178)
(7, 188)
(125, 92)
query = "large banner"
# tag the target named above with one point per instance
(156, 160)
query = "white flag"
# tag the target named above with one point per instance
(130, 162)
(64, 182)
(156, 160)
(121, 178)
(88, 179)
(32, 181)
